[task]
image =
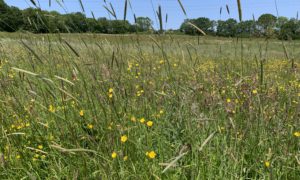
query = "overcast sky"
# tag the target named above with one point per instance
(194, 8)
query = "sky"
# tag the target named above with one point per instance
(194, 8)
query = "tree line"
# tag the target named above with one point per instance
(267, 25)
(38, 21)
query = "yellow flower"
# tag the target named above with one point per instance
(125, 158)
(228, 100)
(40, 146)
(110, 92)
(90, 126)
(254, 91)
(161, 111)
(221, 129)
(142, 120)
(18, 156)
(150, 123)
(51, 109)
(151, 154)
(297, 134)
(124, 138)
(81, 113)
(267, 164)
(133, 119)
(114, 155)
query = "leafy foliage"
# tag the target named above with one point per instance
(36, 20)
(203, 23)
(227, 28)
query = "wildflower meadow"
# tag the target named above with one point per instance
(148, 106)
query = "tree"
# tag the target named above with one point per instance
(144, 24)
(186, 28)
(56, 22)
(227, 28)
(290, 30)
(93, 25)
(246, 28)
(3, 6)
(36, 20)
(203, 23)
(30, 20)
(76, 22)
(10, 18)
(281, 21)
(103, 25)
(267, 23)
(118, 27)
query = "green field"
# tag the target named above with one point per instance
(87, 106)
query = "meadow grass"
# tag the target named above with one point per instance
(148, 107)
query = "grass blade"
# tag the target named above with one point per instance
(110, 12)
(197, 28)
(93, 15)
(113, 10)
(159, 15)
(73, 50)
(227, 8)
(207, 140)
(181, 154)
(24, 71)
(33, 2)
(182, 7)
(32, 51)
(240, 9)
(125, 10)
(81, 5)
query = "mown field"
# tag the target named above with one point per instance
(148, 107)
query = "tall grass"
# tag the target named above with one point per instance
(88, 106)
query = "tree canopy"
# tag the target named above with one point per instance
(203, 23)
(38, 21)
